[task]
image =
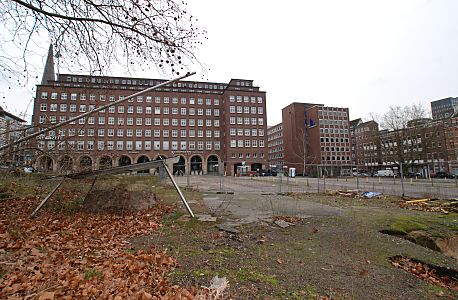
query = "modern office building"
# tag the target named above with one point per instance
(444, 108)
(209, 125)
(310, 134)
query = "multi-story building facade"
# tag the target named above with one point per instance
(310, 134)
(275, 146)
(366, 149)
(444, 108)
(11, 128)
(209, 125)
(353, 125)
(421, 147)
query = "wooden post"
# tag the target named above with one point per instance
(46, 198)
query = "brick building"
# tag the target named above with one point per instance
(11, 128)
(366, 148)
(209, 125)
(310, 134)
(423, 146)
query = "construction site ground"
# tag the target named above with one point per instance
(330, 248)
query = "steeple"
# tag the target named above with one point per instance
(48, 73)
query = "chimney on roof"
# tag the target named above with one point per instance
(48, 73)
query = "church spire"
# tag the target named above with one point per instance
(48, 73)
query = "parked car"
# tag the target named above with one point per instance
(384, 173)
(443, 175)
(268, 173)
(413, 175)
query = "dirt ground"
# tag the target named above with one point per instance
(334, 250)
(335, 256)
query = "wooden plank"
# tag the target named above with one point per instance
(418, 200)
(46, 198)
(124, 169)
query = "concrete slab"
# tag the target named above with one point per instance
(206, 218)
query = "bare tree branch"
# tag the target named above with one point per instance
(98, 35)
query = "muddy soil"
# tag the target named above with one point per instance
(117, 200)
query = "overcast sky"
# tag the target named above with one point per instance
(365, 55)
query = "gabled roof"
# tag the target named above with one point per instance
(4, 113)
(355, 122)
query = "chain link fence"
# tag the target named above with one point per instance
(321, 179)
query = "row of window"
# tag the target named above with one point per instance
(275, 143)
(130, 109)
(246, 121)
(327, 122)
(138, 133)
(148, 99)
(247, 155)
(129, 145)
(130, 121)
(274, 136)
(246, 132)
(335, 149)
(334, 140)
(330, 112)
(246, 99)
(247, 143)
(246, 109)
(334, 131)
(276, 149)
(144, 82)
(335, 158)
(276, 156)
(275, 129)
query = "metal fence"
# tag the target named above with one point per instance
(445, 188)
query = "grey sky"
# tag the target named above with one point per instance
(365, 55)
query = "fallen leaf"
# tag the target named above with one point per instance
(47, 296)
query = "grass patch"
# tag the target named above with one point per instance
(224, 252)
(308, 292)
(93, 272)
(2, 273)
(205, 272)
(406, 224)
(244, 275)
(130, 251)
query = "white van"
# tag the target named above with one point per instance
(384, 173)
